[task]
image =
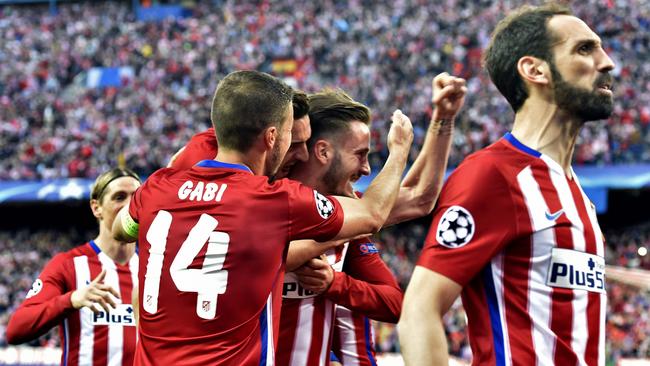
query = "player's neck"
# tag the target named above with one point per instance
(115, 250)
(254, 163)
(310, 176)
(547, 129)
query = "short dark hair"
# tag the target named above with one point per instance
(104, 179)
(245, 103)
(330, 114)
(524, 32)
(300, 104)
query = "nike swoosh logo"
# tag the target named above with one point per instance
(554, 216)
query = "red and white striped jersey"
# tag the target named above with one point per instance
(523, 240)
(87, 338)
(306, 319)
(213, 240)
(354, 338)
(362, 282)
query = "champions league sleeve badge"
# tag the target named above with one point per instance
(323, 205)
(455, 228)
(37, 286)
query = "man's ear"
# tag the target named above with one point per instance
(323, 151)
(96, 208)
(270, 135)
(534, 70)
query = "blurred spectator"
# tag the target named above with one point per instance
(383, 53)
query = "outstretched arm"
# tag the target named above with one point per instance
(421, 186)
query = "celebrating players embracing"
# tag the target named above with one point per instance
(212, 237)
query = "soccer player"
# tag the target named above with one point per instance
(210, 304)
(513, 231)
(84, 290)
(353, 275)
(204, 145)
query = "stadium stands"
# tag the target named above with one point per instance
(382, 53)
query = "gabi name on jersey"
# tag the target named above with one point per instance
(201, 191)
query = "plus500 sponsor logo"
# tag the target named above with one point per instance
(122, 315)
(576, 270)
(291, 288)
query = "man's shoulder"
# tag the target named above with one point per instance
(208, 135)
(62, 259)
(498, 161)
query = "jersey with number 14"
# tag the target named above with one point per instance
(212, 243)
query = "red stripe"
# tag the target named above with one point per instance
(330, 323)
(128, 333)
(100, 349)
(562, 298)
(74, 323)
(360, 339)
(593, 304)
(318, 320)
(516, 270)
(478, 324)
(288, 325)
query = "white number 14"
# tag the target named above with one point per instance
(208, 282)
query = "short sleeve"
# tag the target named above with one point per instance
(202, 146)
(474, 219)
(136, 203)
(312, 215)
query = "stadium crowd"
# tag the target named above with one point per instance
(52, 125)
(24, 253)
(382, 53)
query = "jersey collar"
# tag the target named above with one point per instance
(220, 164)
(520, 146)
(94, 246)
(527, 150)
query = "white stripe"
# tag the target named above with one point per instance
(579, 333)
(270, 348)
(303, 335)
(600, 251)
(115, 331)
(497, 278)
(86, 333)
(327, 333)
(539, 294)
(347, 336)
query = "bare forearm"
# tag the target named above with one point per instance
(421, 333)
(301, 251)
(423, 341)
(367, 215)
(382, 193)
(423, 182)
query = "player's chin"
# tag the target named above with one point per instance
(349, 190)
